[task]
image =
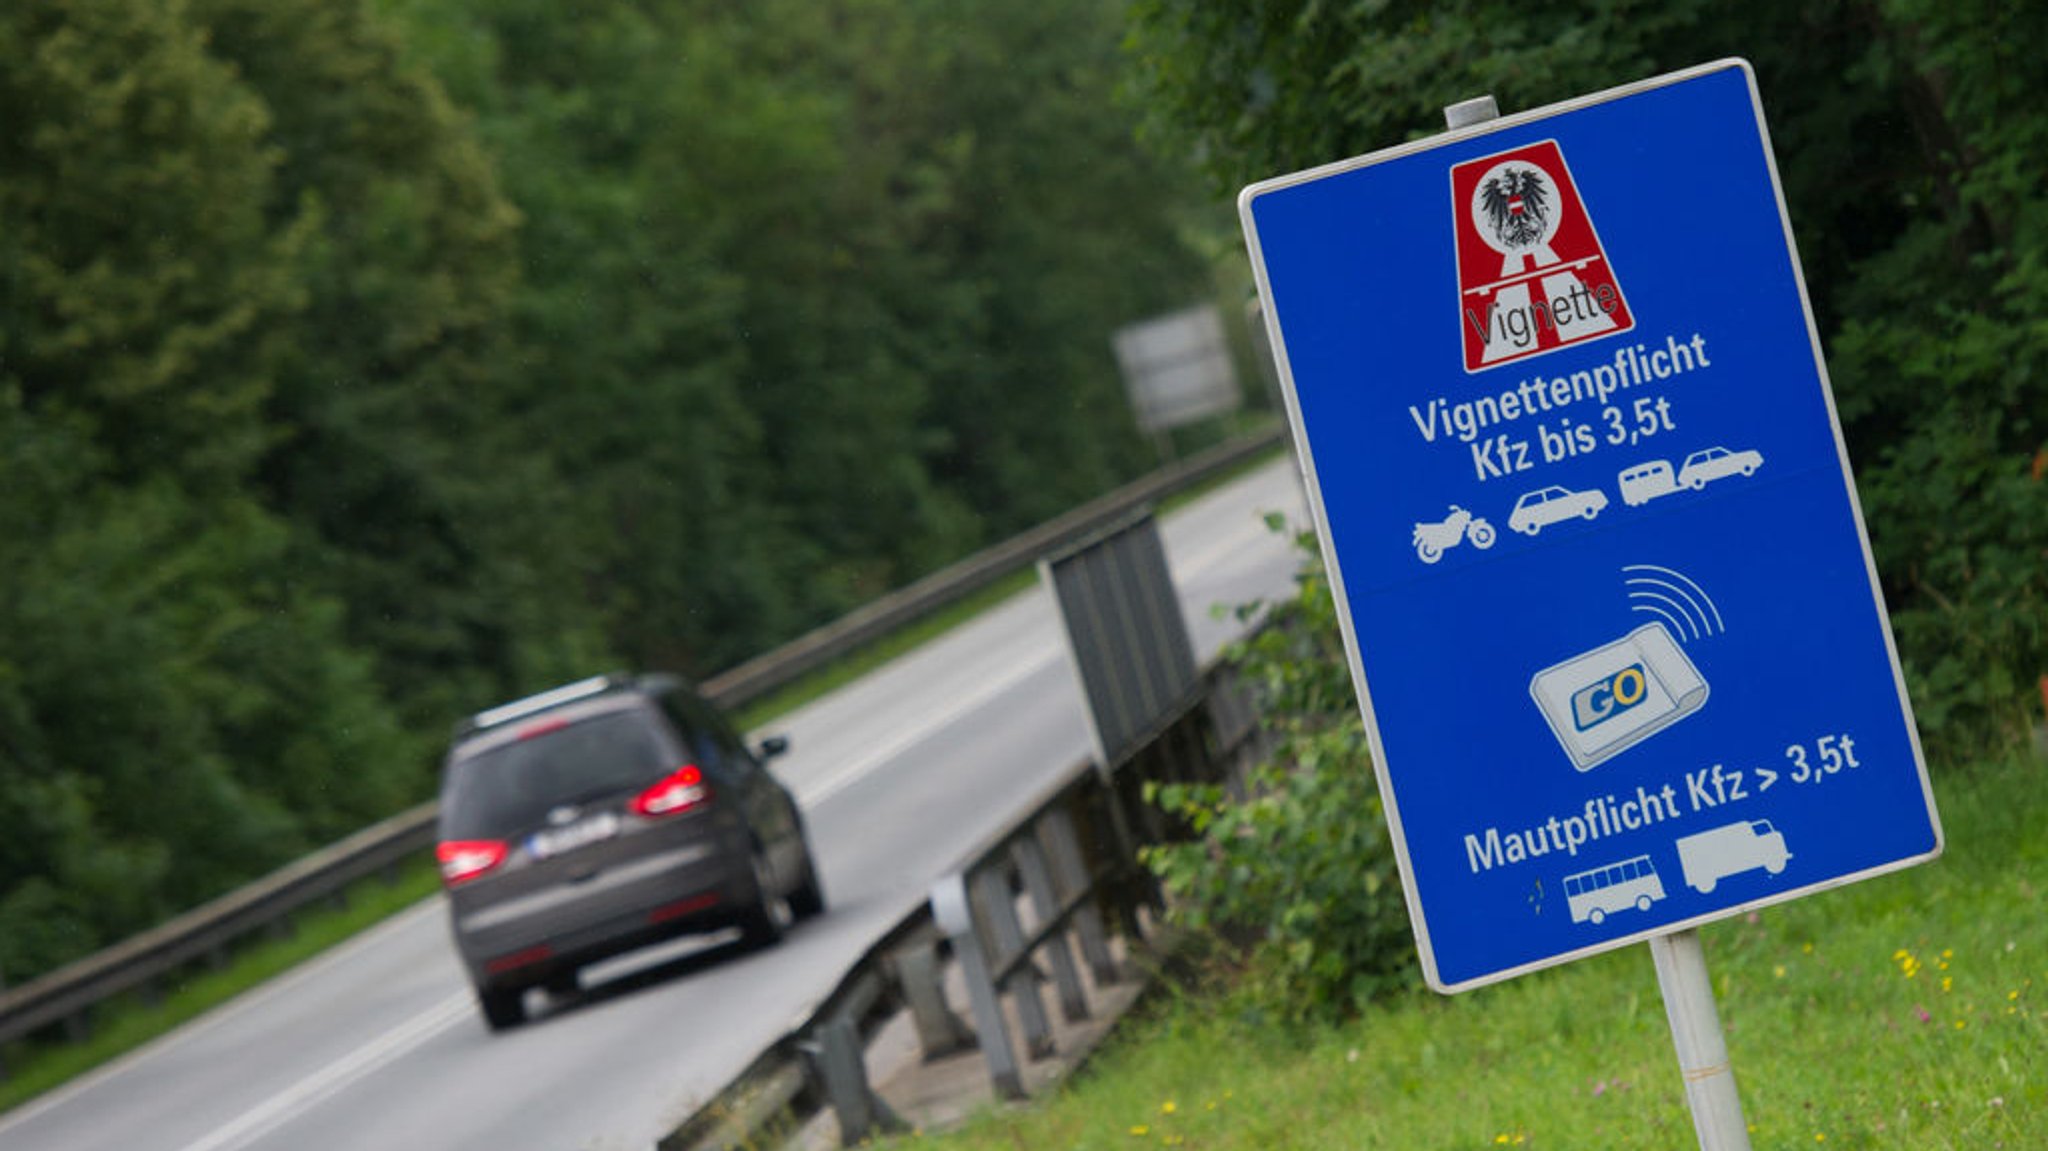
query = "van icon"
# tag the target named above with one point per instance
(1646, 481)
(1711, 856)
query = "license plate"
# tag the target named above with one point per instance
(555, 841)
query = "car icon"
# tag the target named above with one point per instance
(1551, 504)
(1716, 463)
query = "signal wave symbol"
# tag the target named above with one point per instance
(1673, 597)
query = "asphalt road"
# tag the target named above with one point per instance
(378, 1043)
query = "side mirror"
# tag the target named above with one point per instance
(773, 746)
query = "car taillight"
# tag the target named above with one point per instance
(678, 791)
(542, 727)
(465, 859)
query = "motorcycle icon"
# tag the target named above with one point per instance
(1432, 540)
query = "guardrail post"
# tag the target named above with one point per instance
(953, 912)
(1047, 905)
(1070, 875)
(836, 1061)
(1017, 976)
(940, 1032)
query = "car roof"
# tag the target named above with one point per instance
(572, 702)
(476, 741)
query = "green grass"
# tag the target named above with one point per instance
(127, 1022)
(1909, 1011)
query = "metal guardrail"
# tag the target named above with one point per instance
(757, 677)
(204, 933)
(1064, 875)
(997, 942)
(69, 994)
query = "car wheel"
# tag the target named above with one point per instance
(1590, 511)
(503, 1007)
(809, 897)
(769, 917)
(1696, 483)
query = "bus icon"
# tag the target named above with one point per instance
(1712, 856)
(1591, 895)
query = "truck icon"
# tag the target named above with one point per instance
(1714, 855)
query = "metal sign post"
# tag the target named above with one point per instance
(1606, 592)
(1702, 1046)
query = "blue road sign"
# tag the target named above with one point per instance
(1605, 587)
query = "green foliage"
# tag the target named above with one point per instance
(1297, 873)
(1947, 348)
(140, 272)
(1909, 136)
(181, 710)
(365, 362)
(386, 455)
(812, 301)
(178, 713)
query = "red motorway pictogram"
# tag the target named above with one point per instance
(1532, 275)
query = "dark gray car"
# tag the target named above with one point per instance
(604, 816)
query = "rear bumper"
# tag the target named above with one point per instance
(530, 938)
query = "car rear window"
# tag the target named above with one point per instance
(510, 788)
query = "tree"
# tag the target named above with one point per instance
(144, 275)
(179, 710)
(390, 412)
(816, 298)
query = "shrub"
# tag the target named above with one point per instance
(1297, 877)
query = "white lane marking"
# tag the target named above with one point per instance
(851, 772)
(232, 1009)
(280, 1108)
